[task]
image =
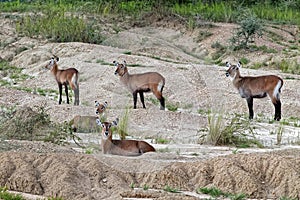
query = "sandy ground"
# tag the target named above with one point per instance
(48, 170)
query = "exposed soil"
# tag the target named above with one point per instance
(47, 170)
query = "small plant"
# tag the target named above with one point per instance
(162, 141)
(168, 188)
(214, 192)
(224, 132)
(172, 107)
(89, 151)
(5, 195)
(132, 185)
(145, 187)
(123, 124)
(250, 27)
(279, 133)
(244, 61)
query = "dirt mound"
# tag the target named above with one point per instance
(78, 176)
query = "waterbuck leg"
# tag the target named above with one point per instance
(250, 107)
(277, 106)
(66, 91)
(76, 92)
(60, 91)
(134, 99)
(162, 103)
(142, 98)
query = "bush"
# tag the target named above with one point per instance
(249, 27)
(237, 131)
(59, 26)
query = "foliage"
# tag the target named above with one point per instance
(215, 192)
(191, 11)
(237, 131)
(168, 188)
(59, 26)
(35, 125)
(5, 195)
(249, 27)
(123, 124)
(287, 66)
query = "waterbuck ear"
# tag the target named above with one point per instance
(98, 122)
(124, 63)
(97, 103)
(57, 58)
(238, 64)
(228, 64)
(115, 122)
(115, 62)
(105, 104)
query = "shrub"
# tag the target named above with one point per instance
(249, 27)
(59, 26)
(237, 131)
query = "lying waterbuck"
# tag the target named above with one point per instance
(256, 87)
(121, 147)
(87, 123)
(140, 83)
(65, 77)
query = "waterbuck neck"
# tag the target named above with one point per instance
(237, 79)
(125, 78)
(54, 69)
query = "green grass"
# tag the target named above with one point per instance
(162, 141)
(5, 195)
(217, 193)
(236, 131)
(172, 107)
(63, 20)
(123, 124)
(58, 26)
(168, 188)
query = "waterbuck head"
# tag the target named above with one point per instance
(52, 62)
(121, 68)
(232, 70)
(106, 128)
(100, 108)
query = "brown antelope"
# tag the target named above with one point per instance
(65, 77)
(121, 147)
(140, 83)
(256, 87)
(87, 123)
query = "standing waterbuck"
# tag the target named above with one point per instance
(121, 147)
(65, 77)
(256, 87)
(140, 83)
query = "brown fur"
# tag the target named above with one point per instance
(250, 87)
(122, 147)
(140, 83)
(65, 77)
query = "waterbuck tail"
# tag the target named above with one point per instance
(75, 80)
(160, 86)
(277, 89)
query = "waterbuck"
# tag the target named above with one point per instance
(140, 83)
(65, 77)
(251, 87)
(121, 147)
(87, 123)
